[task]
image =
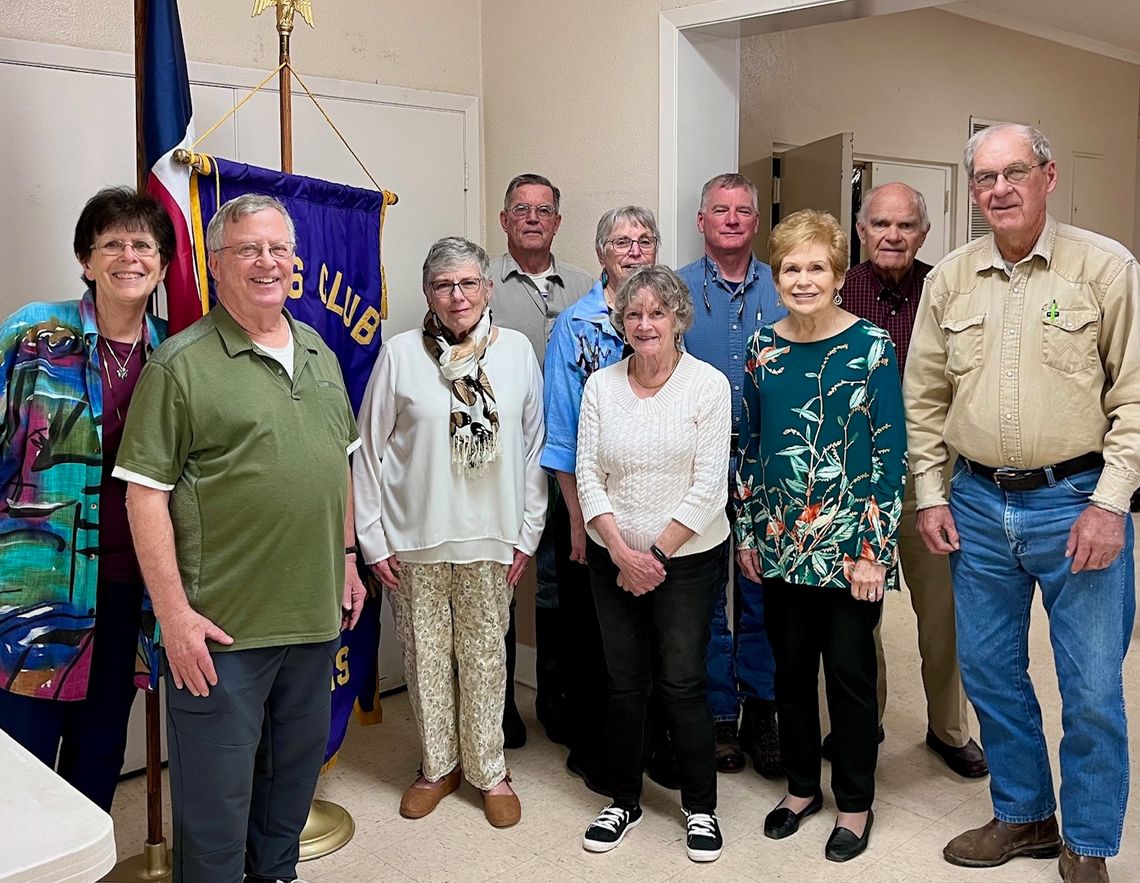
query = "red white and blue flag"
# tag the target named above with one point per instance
(168, 124)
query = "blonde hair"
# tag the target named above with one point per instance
(806, 227)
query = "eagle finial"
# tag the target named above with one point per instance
(285, 10)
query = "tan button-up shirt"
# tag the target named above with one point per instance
(1029, 367)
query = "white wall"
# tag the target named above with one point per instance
(907, 84)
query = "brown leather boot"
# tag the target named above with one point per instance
(997, 842)
(1081, 868)
(418, 802)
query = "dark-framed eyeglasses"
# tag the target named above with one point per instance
(1014, 173)
(112, 248)
(544, 211)
(247, 251)
(444, 288)
(624, 244)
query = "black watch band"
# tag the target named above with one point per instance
(350, 550)
(660, 556)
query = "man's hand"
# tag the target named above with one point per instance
(352, 600)
(867, 580)
(388, 572)
(748, 560)
(518, 568)
(1096, 539)
(937, 529)
(184, 638)
(578, 541)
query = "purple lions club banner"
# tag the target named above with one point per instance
(338, 289)
(338, 283)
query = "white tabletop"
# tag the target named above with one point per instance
(51, 832)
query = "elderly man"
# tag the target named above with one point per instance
(885, 289)
(236, 450)
(734, 295)
(1024, 359)
(531, 289)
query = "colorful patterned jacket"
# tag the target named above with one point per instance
(50, 471)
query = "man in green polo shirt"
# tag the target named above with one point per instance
(236, 449)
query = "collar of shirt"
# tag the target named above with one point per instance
(592, 307)
(88, 317)
(511, 268)
(1043, 248)
(734, 289)
(236, 340)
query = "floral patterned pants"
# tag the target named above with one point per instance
(460, 610)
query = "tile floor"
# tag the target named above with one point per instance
(920, 805)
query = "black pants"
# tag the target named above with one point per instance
(657, 643)
(88, 736)
(805, 623)
(244, 762)
(584, 660)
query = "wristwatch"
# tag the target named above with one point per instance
(660, 556)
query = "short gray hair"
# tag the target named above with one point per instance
(917, 197)
(729, 181)
(633, 214)
(451, 253)
(1035, 138)
(531, 178)
(669, 288)
(242, 207)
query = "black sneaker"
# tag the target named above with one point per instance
(609, 828)
(703, 842)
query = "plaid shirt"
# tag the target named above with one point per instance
(892, 308)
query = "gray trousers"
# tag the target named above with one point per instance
(244, 762)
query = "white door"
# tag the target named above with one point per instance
(934, 183)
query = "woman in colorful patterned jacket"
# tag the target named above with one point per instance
(821, 483)
(71, 595)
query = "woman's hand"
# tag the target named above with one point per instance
(518, 567)
(748, 560)
(640, 571)
(867, 580)
(388, 572)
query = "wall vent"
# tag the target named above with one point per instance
(976, 226)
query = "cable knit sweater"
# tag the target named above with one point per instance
(651, 460)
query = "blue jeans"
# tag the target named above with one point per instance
(1011, 541)
(739, 662)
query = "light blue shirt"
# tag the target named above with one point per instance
(726, 315)
(581, 342)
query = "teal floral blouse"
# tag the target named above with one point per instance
(823, 455)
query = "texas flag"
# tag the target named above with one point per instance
(168, 124)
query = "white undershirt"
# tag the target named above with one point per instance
(541, 281)
(283, 355)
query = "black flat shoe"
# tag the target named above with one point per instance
(843, 845)
(784, 822)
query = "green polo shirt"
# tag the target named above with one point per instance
(259, 468)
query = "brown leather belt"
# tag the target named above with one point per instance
(1031, 479)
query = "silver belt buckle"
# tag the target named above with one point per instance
(1006, 474)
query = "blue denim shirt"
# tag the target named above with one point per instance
(724, 319)
(581, 342)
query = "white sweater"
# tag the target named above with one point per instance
(651, 460)
(409, 500)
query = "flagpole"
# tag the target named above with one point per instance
(284, 32)
(153, 863)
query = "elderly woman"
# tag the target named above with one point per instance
(71, 602)
(450, 504)
(581, 342)
(653, 445)
(821, 482)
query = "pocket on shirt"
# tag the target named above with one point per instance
(1068, 339)
(963, 344)
(333, 403)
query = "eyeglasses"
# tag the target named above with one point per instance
(1013, 174)
(544, 211)
(112, 248)
(443, 288)
(249, 250)
(623, 244)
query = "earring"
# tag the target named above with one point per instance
(838, 298)
(605, 279)
(780, 302)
